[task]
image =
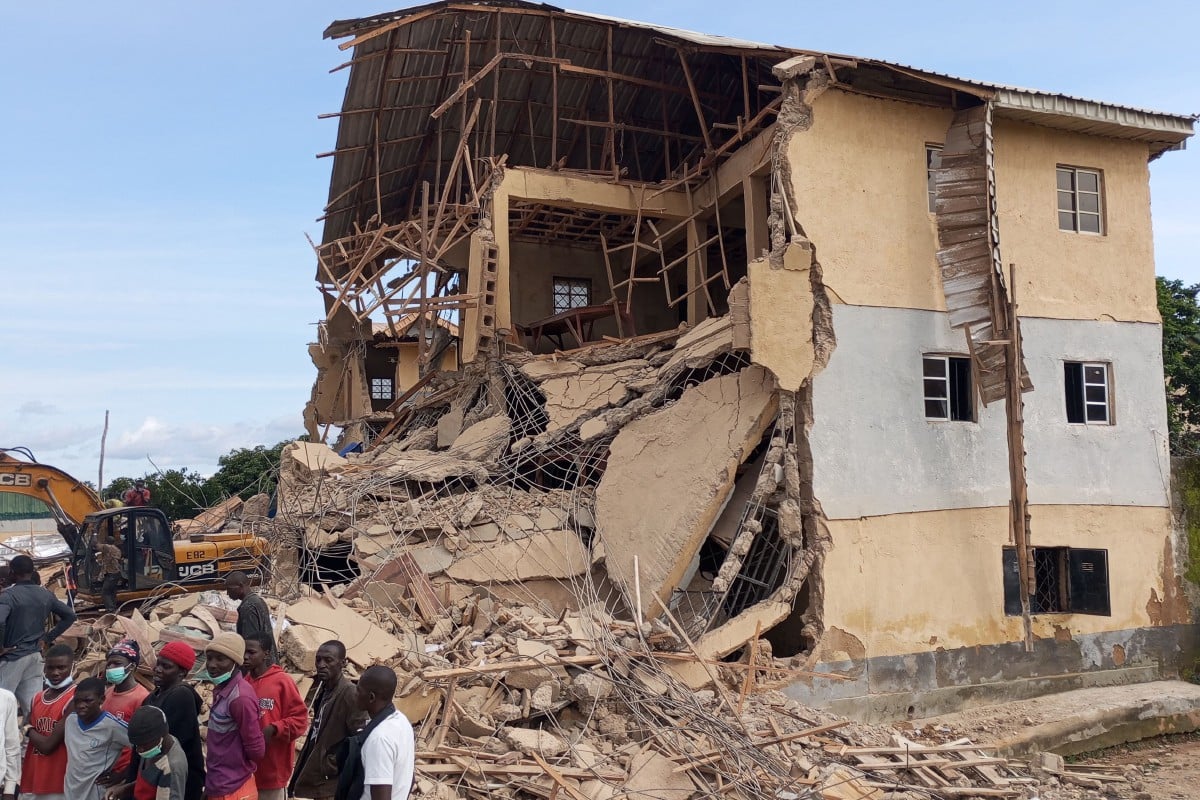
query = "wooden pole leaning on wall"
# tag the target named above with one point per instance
(1019, 503)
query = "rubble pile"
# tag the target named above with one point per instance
(508, 702)
(661, 471)
(574, 564)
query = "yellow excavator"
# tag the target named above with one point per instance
(153, 563)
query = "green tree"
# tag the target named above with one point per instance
(247, 471)
(1180, 312)
(178, 493)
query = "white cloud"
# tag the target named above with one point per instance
(193, 445)
(155, 441)
(36, 408)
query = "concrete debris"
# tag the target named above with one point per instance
(680, 462)
(511, 696)
(312, 459)
(554, 555)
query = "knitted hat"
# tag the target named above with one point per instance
(128, 648)
(179, 654)
(229, 644)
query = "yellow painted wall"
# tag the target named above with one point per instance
(1071, 275)
(534, 267)
(407, 371)
(909, 583)
(859, 180)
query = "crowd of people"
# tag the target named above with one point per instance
(110, 738)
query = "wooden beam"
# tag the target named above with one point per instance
(756, 202)
(687, 74)
(575, 190)
(388, 28)
(697, 270)
(483, 72)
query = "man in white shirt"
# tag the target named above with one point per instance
(389, 752)
(10, 737)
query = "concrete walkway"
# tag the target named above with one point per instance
(1081, 720)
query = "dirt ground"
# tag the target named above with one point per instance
(1169, 767)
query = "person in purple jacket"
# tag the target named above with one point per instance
(235, 740)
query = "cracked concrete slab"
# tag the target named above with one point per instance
(671, 473)
(573, 396)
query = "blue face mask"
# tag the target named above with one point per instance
(115, 676)
(64, 683)
(218, 680)
(152, 753)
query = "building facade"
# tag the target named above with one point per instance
(548, 182)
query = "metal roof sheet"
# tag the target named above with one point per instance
(406, 86)
(1045, 102)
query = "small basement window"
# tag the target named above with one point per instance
(933, 162)
(571, 293)
(382, 389)
(1079, 200)
(947, 382)
(1087, 394)
(1068, 581)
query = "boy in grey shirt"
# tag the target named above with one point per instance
(162, 770)
(94, 738)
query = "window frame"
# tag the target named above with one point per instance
(1075, 193)
(391, 388)
(571, 283)
(930, 167)
(1081, 405)
(955, 396)
(1074, 592)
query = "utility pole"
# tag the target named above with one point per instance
(103, 439)
(1014, 406)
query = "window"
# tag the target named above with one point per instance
(1087, 393)
(1079, 208)
(947, 381)
(933, 162)
(382, 389)
(1067, 581)
(571, 293)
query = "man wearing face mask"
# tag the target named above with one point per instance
(46, 757)
(124, 695)
(162, 766)
(181, 706)
(235, 739)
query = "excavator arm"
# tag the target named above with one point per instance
(68, 499)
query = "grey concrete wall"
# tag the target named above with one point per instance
(888, 688)
(875, 453)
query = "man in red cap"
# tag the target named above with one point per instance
(181, 706)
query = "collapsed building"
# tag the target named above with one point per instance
(720, 336)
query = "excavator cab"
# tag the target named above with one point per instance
(147, 552)
(152, 563)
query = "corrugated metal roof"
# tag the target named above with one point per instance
(1044, 101)
(429, 43)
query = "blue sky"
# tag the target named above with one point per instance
(158, 178)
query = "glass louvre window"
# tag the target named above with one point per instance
(1079, 206)
(947, 384)
(933, 162)
(382, 389)
(571, 293)
(1087, 393)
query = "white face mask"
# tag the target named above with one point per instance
(64, 683)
